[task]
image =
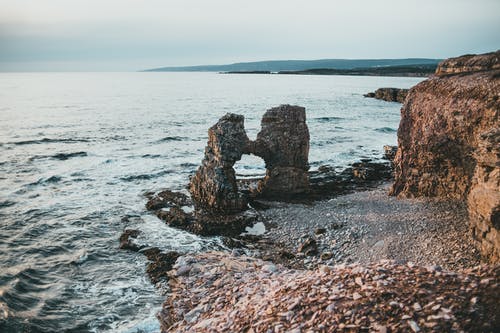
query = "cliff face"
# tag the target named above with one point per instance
(449, 142)
(469, 63)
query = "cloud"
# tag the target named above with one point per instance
(124, 33)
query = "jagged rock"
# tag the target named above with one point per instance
(160, 263)
(469, 63)
(213, 187)
(167, 198)
(390, 152)
(389, 94)
(283, 143)
(448, 142)
(126, 238)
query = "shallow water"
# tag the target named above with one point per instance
(79, 150)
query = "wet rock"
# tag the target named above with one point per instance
(177, 218)
(449, 142)
(213, 187)
(160, 263)
(167, 198)
(390, 152)
(389, 94)
(126, 240)
(309, 247)
(367, 170)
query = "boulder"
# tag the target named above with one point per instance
(449, 142)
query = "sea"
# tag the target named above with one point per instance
(78, 151)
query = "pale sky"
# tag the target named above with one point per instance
(97, 35)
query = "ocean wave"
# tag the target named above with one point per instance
(132, 178)
(327, 119)
(172, 138)
(60, 156)
(6, 203)
(47, 140)
(51, 179)
(151, 156)
(386, 130)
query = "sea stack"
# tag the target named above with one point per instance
(283, 143)
(449, 142)
(213, 187)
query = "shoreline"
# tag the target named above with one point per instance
(369, 225)
(367, 232)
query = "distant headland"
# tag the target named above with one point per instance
(378, 67)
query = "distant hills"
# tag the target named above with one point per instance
(302, 65)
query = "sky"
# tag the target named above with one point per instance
(129, 35)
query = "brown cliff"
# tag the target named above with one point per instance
(449, 142)
(469, 63)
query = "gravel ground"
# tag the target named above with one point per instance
(217, 292)
(368, 226)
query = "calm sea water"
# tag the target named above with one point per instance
(79, 150)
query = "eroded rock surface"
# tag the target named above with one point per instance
(449, 142)
(283, 143)
(213, 187)
(469, 63)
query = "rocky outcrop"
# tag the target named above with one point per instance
(213, 187)
(469, 63)
(283, 143)
(448, 142)
(389, 94)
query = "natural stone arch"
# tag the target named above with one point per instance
(283, 143)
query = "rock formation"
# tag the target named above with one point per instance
(470, 63)
(283, 143)
(213, 187)
(389, 94)
(449, 142)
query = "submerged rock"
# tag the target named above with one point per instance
(126, 240)
(449, 142)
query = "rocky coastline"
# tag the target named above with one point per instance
(323, 251)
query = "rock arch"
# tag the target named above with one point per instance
(283, 144)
